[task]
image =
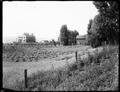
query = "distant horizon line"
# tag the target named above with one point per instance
(11, 39)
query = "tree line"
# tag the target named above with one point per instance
(30, 38)
(67, 37)
(105, 26)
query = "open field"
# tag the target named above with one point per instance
(13, 71)
(36, 53)
(98, 71)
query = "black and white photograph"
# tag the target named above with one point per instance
(60, 45)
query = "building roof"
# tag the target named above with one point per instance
(81, 36)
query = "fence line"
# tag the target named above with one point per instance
(25, 71)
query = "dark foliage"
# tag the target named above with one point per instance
(67, 37)
(105, 26)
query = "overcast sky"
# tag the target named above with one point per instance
(45, 18)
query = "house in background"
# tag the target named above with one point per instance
(21, 39)
(26, 38)
(81, 39)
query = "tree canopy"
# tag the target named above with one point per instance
(105, 26)
(67, 37)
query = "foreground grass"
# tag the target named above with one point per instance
(98, 72)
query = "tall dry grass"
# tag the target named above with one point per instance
(98, 72)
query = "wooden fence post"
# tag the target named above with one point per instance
(76, 56)
(25, 73)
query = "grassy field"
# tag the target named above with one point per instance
(14, 71)
(29, 53)
(97, 72)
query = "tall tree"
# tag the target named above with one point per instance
(105, 26)
(67, 37)
(90, 24)
(64, 35)
(30, 38)
(75, 35)
(89, 31)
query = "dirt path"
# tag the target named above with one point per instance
(15, 71)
